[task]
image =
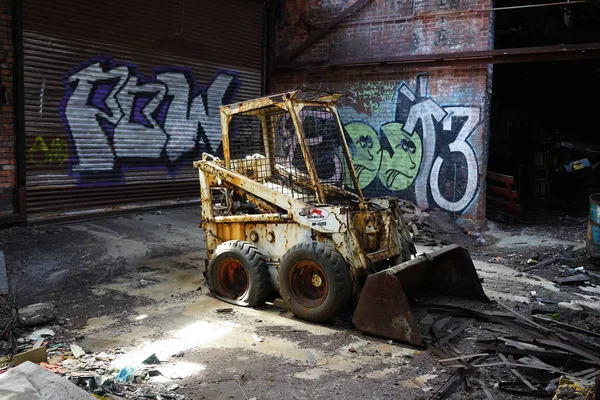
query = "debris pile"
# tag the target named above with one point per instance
(131, 375)
(525, 357)
(8, 325)
(436, 228)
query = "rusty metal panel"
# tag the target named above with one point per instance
(121, 97)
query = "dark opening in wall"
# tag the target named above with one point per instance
(545, 131)
(546, 25)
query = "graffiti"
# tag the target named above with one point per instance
(400, 164)
(414, 147)
(320, 128)
(362, 94)
(56, 153)
(118, 118)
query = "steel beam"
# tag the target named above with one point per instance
(498, 56)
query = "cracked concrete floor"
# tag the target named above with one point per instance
(137, 279)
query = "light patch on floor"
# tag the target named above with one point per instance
(98, 323)
(311, 373)
(525, 238)
(502, 277)
(382, 373)
(419, 382)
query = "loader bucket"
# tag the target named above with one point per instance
(384, 306)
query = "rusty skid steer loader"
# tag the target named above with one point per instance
(283, 212)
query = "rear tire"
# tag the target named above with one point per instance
(238, 274)
(314, 281)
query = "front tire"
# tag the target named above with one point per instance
(314, 281)
(238, 274)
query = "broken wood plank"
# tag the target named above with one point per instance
(521, 316)
(441, 392)
(516, 365)
(34, 355)
(487, 392)
(542, 264)
(457, 331)
(465, 312)
(577, 374)
(463, 357)
(579, 278)
(575, 328)
(571, 349)
(552, 355)
(517, 374)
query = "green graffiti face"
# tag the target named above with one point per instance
(366, 151)
(400, 168)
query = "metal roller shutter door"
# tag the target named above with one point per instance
(120, 97)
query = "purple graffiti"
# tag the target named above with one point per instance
(117, 118)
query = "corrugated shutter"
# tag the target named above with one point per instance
(121, 96)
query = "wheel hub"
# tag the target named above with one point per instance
(233, 278)
(316, 280)
(308, 283)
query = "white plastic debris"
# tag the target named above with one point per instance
(103, 356)
(257, 338)
(570, 305)
(40, 333)
(77, 351)
(533, 293)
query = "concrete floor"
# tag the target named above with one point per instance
(138, 281)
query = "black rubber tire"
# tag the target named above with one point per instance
(338, 280)
(259, 286)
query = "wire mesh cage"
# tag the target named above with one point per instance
(265, 146)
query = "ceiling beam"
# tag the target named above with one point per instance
(595, 3)
(499, 56)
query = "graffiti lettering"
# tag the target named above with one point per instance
(407, 154)
(56, 153)
(429, 113)
(459, 145)
(115, 116)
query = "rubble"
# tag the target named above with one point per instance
(32, 382)
(36, 314)
(437, 228)
(538, 347)
(96, 370)
(40, 333)
(77, 351)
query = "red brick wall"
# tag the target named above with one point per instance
(417, 133)
(385, 28)
(8, 176)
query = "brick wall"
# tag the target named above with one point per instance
(385, 28)
(8, 176)
(416, 133)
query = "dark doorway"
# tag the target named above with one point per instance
(545, 131)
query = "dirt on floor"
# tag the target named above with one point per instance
(130, 287)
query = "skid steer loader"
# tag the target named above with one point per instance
(284, 213)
